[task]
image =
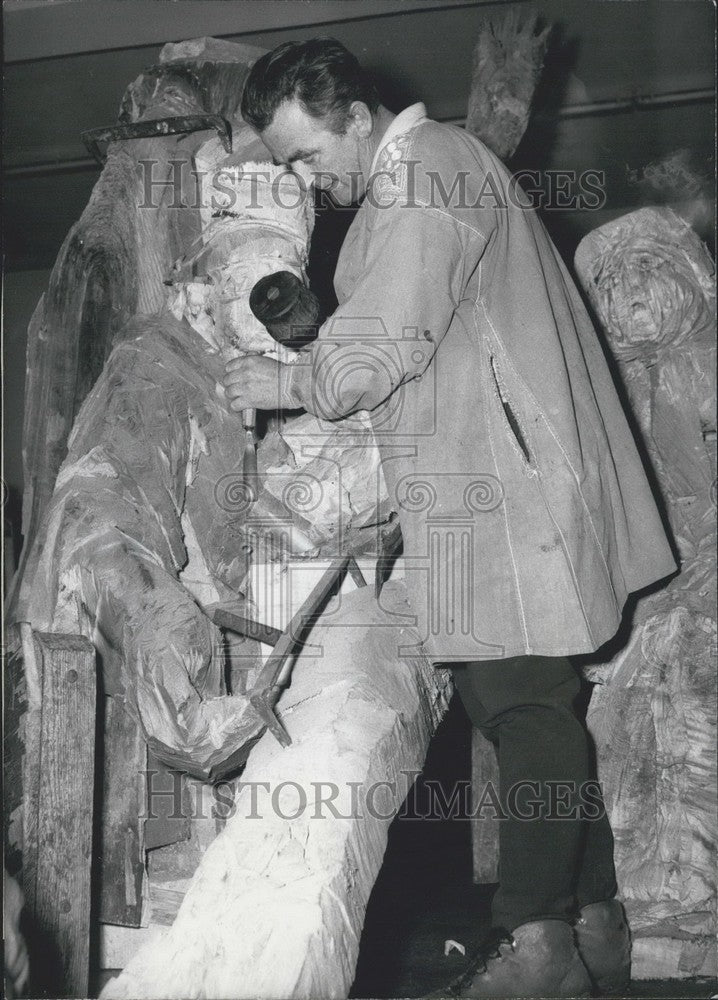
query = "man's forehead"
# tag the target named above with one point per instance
(292, 131)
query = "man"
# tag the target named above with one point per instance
(461, 332)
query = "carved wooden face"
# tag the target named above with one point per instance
(648, 297)
(646, 282)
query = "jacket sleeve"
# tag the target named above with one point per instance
(389, 328)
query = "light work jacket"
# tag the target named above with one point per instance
(526, 513)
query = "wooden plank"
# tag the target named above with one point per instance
(122, 873)
(168, 805)
(484, 823)
(61, 840)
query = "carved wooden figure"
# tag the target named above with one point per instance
(146, 533)
(507, 64)
(111, 267)
(653, 711)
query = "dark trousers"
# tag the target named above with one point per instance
(554, 854)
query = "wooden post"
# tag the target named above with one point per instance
(59, 783)
(484, 822)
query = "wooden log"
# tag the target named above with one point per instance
(57, 848)
(277, 904)
(484, 821)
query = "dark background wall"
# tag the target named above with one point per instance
(626, 83)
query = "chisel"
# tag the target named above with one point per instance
(249, 455)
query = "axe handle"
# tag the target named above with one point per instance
(274, 667)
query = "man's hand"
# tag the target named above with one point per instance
(254, 382)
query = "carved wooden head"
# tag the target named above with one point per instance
(651, 281)
(257, 219)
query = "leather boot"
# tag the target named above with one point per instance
(539, 959)
(604, 944)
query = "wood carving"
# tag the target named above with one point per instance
(653, 711)
(148, 529)
(113, 263)
(508, 58)
(277, 904)
(139, 537)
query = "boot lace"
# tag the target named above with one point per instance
(489, 949)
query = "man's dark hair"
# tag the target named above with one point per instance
(323, 76)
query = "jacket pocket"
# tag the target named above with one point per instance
(513, 426)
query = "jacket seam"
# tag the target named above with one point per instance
(572, 570)
(412, 132)
(517, 582)
(433, 208)
(452, 218)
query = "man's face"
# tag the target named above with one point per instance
(304, 143)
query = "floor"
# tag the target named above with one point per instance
(425, 895)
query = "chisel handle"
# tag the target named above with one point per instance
(249, 462)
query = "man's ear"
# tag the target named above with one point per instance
(360, 117)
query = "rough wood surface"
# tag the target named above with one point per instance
(113, 263)
(140, 476)
(508, 58)
(122, 876)
(58, 835)
(653, 711)
(277, 904)
(152, 473)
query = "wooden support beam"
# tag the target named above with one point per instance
(484, 822)
(59, 784)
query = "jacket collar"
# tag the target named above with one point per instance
(404, 122)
